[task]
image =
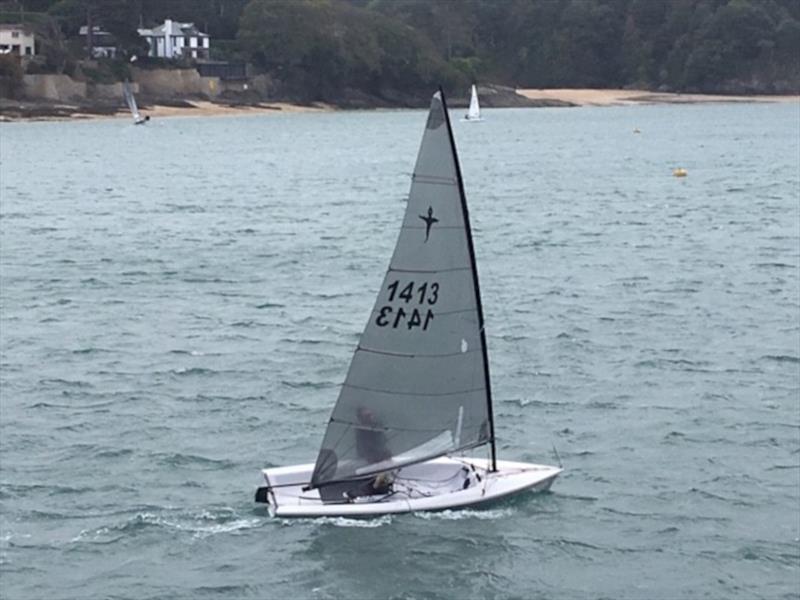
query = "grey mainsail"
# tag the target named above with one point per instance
(418, 384)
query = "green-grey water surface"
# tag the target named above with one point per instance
(179, 304)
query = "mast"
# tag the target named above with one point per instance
(475, 283)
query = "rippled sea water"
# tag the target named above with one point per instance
(180, 303)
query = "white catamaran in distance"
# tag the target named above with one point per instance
(138, 119)
(417, 394)
(474, 112)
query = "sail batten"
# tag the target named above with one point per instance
(399, 393)
(396, 270)
(418, 386)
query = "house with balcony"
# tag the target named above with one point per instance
(17, 39)
(174, 39)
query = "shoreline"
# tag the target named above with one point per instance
(11, 111)
(614, 97)
(205, 108)
(36, 111)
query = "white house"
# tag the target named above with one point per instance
(103, 43)
(175, 40)
(17, 39)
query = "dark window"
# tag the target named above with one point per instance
(15, 48)
(28, 50)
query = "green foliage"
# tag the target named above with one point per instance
(218, 18)
(323, 47)
(118, 17)
(10, 67)
(10, 76)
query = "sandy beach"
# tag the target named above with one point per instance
(193, 108)
(606, 97)
(203, 108)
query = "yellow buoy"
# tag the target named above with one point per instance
(679, 172)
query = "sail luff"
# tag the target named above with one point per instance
(471, 247)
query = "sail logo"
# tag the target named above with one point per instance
(429, 221)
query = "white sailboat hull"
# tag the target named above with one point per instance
(438, 484)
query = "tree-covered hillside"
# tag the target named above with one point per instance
(323, 49)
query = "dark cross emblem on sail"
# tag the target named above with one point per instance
(429, 221)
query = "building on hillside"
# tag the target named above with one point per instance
(176, 40)
(17, 39)
(104, 45)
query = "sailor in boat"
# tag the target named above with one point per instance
(371, 447)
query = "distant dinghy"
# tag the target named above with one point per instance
(417, 394)
(474, 112)
(130, 100)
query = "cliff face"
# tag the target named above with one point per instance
(166, 84)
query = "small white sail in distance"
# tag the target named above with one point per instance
(474, 112)
(130, 100)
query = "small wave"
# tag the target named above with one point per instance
(678, 364)
(605, 405)
(227, 591)
(73, 407)
(246, 324)
(177, 459)
(302, 342)
(206, 280)
(65, 382)
(315, 385)
(712, 496)
(577, 544)
(467, 513)
(781, 358)
(578, 497)
(91, 350)
(270, 305)
(324, 296)
(190, 371)
(514, 338)
(629, 513)
(193, 353)
(190, 208)
(776, 265)
(200, 525)
(365, 523)
(36, 489)
(114, 453)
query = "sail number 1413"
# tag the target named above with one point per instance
(415, 310)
